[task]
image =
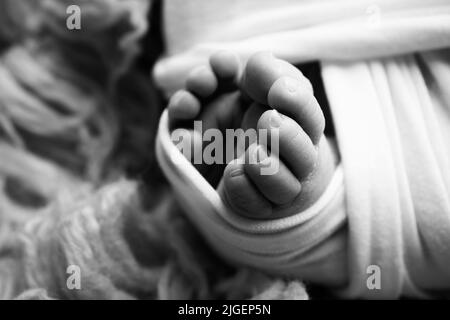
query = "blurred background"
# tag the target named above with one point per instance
(77, 104)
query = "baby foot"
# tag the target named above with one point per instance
(211, 96)
(305, 160)
(273, 95)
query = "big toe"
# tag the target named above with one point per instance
(262, 70)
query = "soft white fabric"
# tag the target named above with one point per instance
(297, 30)
(394, 138)
(391, 110)
(280, 246)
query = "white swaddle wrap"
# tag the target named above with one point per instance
(391, 109)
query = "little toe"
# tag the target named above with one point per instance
(287, 139)
(242, 196)
(202, 81)
(291, 97)
(272, 178)
(183, 105)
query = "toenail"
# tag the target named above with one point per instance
(236, 172)
(291, 84)
(275, 119)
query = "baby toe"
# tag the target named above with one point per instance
(272, 178)
(288, 140)
(183, 105)
(261, 71)
(241, 195)
(292, 97)
(225, 65)
(202, 81)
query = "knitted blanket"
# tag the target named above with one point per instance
(84, 213)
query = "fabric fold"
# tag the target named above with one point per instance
(386, 69)
(395, 175)
(296, 31)
(279, 246)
